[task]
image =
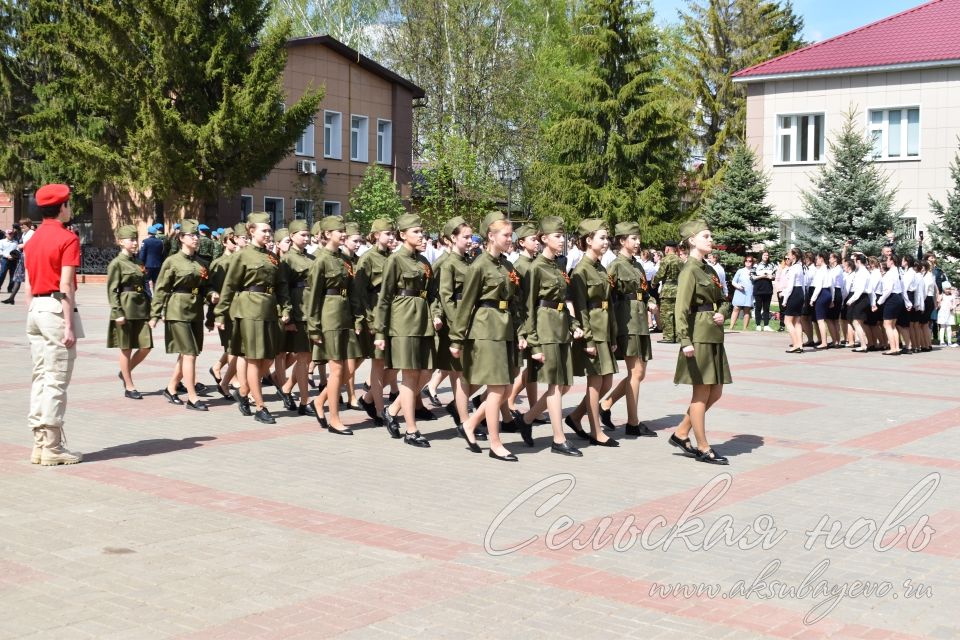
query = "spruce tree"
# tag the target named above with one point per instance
(375, 197)
(850, 198)
(737, 210)
(612, 147)
(174, 98)
(945, 230)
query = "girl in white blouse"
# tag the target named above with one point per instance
(793, 299)
(911, 283)
(858, 301)
(893, 299)
(822, 297)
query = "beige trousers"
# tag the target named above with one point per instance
(52, 362)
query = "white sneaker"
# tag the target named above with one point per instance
(954, 345)
(768, 328)
(759, 328)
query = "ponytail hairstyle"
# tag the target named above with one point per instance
(910, 260)
(494, 227)
(823, 255)
(797, 256)
(873, 263)
(850, 262)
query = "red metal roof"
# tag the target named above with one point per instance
(927, 33)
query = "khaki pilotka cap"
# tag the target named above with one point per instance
(296, 226)
(240, 229)
(382, 224)
(489, 219)
(408, 221)
(332, 223)
(280, 234)
(258, 218)
(590, 225)
(351, 229)
(552, 224)
(189, 226)
(691, 228)
(627, 229)
(525, 231)
(450, 227)
(127, 232)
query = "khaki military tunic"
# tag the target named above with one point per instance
(178, 297)
(403, 316)
(548, 326)
(127, 294)
(327, 303)
(355, 350)
(666, 278)
(364, 294)
(450, 272)
(294, 268)
(592, 305)
(699, 297)
(487, 321)
(631, 291)
(253, 291)
(218, 273)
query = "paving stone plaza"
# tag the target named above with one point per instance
(836, 518)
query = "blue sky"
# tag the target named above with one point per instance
(822, 18)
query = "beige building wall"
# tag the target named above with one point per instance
(936, 92)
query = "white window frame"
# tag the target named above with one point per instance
(361, 152)
(335, 210)
(883, 128)
(305, 143)
(792, 131)
(332, 134)
(249, 199)
(278, 217)
(384, 142)
(306, 216)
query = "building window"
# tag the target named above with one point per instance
(303, 210)
(384, 142)
(274, 206)
(246, 206)
(909, 228)
(305, 142)
(331, 208)
(332, 142)
(895, 133)
(358, 138)
(800, 138)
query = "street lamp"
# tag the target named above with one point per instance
(509, 174)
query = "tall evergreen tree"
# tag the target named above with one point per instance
(720, 38)
(850, 199)
(945, 230)
(174, 98)
(15, 99)
(612, 147)
(737, 210)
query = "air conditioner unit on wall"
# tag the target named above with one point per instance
(307, 167)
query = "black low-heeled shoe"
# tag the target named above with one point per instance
(641, 430)
(480, 433)
(132, 394)
(264, 416)
(267, 381)
(473, 446)
(797, 350)
(416, 439)
(393, 396)
(199, 405)
(476, 402)
(507, 458)
(244, 406)
(607, 419)
(711, 457)
(577, 430)
(369, 407)
(431, 398)
(322, 421)
(306, 410)
(452, 410)
(287, 399)
(566, 449)
(526, 432)
(609, 442)
(171, 398)
(214, 376)
(684, 445)
(422, 413)
(390, 422)
(340, 432)
(226, 394)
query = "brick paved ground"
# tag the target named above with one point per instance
(182, 525)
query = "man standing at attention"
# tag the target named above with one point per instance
(151, 255)
(666, 277)
(53, 324)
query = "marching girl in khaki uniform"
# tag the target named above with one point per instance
(294, 266)
(450, 273)
(528, 246)
(178, 298)
(129, 309)
(330, 322)
(404, 326)
(252, 292)
(367, 281)
(631, 295)
(549, 326)
(351, 242)
(278, 376)
(488, 317)
(593, 354)
(702, 361)
(233, 242)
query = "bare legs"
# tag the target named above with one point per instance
(129, 362)
(629, 387)
(490, 411)
(704, 396)
(796, 332)
(597, 386)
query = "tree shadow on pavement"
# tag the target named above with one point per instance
(144, 448)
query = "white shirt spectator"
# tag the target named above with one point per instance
(722, 275)
(650, 268)
(607, 258)
(6, 246)
(573, 257)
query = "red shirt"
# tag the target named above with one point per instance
(50, 248)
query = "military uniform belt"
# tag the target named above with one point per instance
(137, 289)
(598, 305)
(706, 307)
(413, 293)
(501, 305)
(300, 284)
(336, 292)
(552, 304)
(258, 289)
(193, 291)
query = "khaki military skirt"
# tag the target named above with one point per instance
(490, 362)
(296, 341)
(634, 346)
(445, 361)
(365, 340)
(707, 366)
(256, 339)
(336, 345)
(410, 352)
(603, 364)
(557, 367)
(226, 333)
(183, 337)
(354, 348)
(132, 334)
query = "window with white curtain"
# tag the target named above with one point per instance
(895, 133)
(800, 138)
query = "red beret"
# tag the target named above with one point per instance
(50, 195)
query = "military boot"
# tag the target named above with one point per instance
(54, 450)
(37, 445)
